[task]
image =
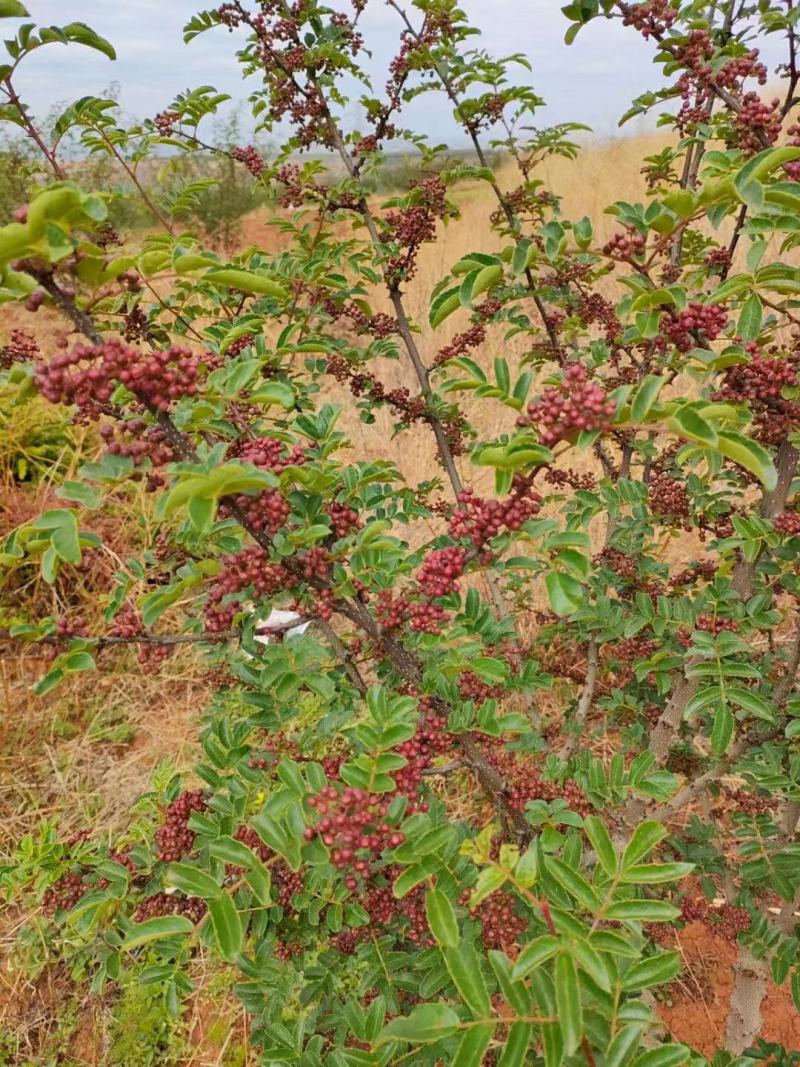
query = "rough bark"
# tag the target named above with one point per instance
(744, 1017)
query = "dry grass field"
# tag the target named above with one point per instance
(84, 754)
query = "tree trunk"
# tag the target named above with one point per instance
(744, 1016)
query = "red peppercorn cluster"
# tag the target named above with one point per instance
(566, 274)
(417, 930)
(382, 325)
(480, 520)
(441, 570)
(173, 837)
(64, 894)
(159, 904)
(526, 201)
(268, 510)
(500, 924)
(352, 825)
(578, 404)
(21, 347)
(566, 476)
(731, 921)
(339, 309)
(413, 226)
(382, 907)
(315, 563)
(411, 408)
(288, 884)
(788, 523)
(562, 658)
(750, 803)
(430, 739)
(390, 611)
(792, 169)
(461, 344)
(286, 950)
(34, 300)
(652, 18)
(294, 190)
(166, 121)
(239, 345)
(702, 570)
(698, 325)
(626, 245)
(693, 909)
(124, 859)
(137, 326)
(696, 85)
(321, 605)
(139, 441)
(727, 920)
(268, 453)
(67, 628)
(524, 784)
(280, 48)
(593, 307)
(630, 649)
(755, 122)
(361, 383)
(352, 822)
(248, 836)
(734, 71)
(471, 687)
(709, 624)
(652, 714)
(719, 259)
(668, 497)
(671, 272)
(622, 375)
(128, 624)
(343, 519)
(380, 903)
(218, 617)
(760, 384)
(712, 624)
(622, 564)
(251, 159)
(531, 787)
(426, 617)
(347, 942)
(88, 375)
(249, 568)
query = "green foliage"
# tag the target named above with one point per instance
(142, 1031)
(372, 632)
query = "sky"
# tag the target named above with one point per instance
(591, 81)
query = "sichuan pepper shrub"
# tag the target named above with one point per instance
(424, 828)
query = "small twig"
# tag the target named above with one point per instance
(158, 639)
(584, 703)
(443, 772)
(32, 132)
(341, 651)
